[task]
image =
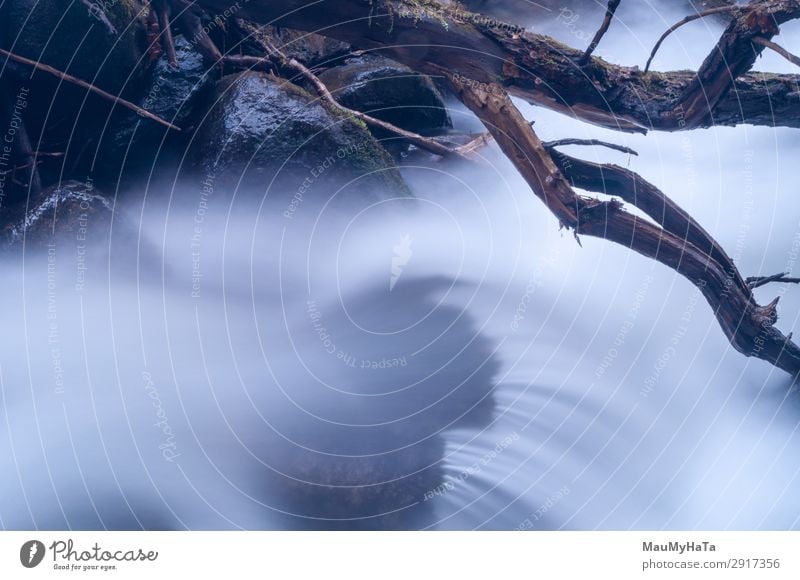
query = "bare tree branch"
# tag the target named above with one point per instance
(758, 281)
(748, 326)
(682, 22)
(612, 8)
(439, 40)
(81, 83)
(777, 48)
(484, 74)
(590, 142)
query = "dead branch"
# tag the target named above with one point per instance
(88, 86)
(612, 8)
(544, 72)
(475, 144)
(485, 63)
(590, 142)
(777, 48)
(629, 186)
(682, 22)
(748, 326)
(757, 281)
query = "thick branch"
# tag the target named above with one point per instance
(733, 56)
(748, 326)
(632, 188)
(438, 40)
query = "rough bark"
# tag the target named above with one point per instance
(486, 61)
(675, 240)
(435, 39)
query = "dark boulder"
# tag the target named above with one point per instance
(391, 92)
(266, 133)
(133, 142)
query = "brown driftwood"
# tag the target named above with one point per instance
(431, 38)
(675, 240)
(486, 62)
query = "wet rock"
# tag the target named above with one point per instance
(133, 142)
(265, 132)
(71, 212)
(391, 92)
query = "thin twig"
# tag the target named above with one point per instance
(614, 146)
(777, 48)
(687, 20)
(758, 281)
(612, 8)
(81, 83)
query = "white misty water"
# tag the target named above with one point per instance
(234, 364)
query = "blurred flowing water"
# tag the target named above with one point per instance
(449, 362)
